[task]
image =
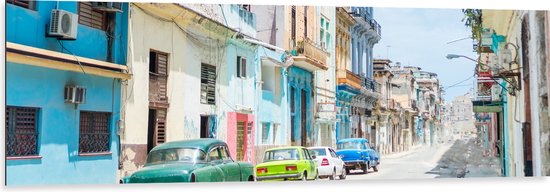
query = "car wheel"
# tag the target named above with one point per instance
(333, 175)
(375, 168)
(344, 172)
(304, 178)
(316, 176)
(365, 168)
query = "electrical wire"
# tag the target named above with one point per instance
(80, 64)
(457, 84)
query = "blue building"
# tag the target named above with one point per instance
(356, 103)
(63, 89)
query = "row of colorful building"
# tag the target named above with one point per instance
(511, 102)
(92, 86)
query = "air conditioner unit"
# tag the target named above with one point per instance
(63, 24)
(75, 94)
(107, 6)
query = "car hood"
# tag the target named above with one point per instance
(164, 173)
(350, 154)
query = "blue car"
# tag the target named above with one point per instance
(357, 153)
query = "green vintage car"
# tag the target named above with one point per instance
(199, 160)
(287, 163)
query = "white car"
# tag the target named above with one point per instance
(328, 163)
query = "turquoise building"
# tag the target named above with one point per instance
(65, 65)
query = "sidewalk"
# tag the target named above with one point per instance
(413, 149)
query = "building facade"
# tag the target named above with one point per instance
(63, 90)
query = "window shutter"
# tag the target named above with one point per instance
(208, 84)
(238, 66)
(243, 64)
(160, 127)
(89, 17)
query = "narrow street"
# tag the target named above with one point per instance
(437, 161)
(414, 164)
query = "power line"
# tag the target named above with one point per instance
(456, 84)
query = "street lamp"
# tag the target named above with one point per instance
(452, 56)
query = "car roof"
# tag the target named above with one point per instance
(203, 143)
(320, 147)
(290, 147)
(352, 140)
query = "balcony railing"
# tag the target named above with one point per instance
(371, 84)
(374, 25)
(349, 78)
(313, 52)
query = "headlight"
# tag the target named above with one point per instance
(362, 156)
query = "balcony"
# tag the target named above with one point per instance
(310, 56)
(349, 78)
(371, 84)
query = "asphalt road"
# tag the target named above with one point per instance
(419, 163)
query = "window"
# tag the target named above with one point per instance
(214, 154)
(91, 18)
(293, 24)
(158, 62)
(22, 3)
(306, 154)
(305, 21)
(324, 33)
(265, 133)
(224, 153)
(21, 131)
(274, 132)
(241, 66)
(94, 132)
(208, 84)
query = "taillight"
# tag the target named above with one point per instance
(261, 170)
(291, 168)
(324, 162)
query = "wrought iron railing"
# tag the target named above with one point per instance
(370, 84)
(313, 51)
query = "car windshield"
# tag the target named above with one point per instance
(318, 152)
(281, 154)
(351, 145)
(176, 155)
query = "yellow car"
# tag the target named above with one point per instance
(287, 163)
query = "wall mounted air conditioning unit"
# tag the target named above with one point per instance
(75, 94)
(107, 6)
(63, 24)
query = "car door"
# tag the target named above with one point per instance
(311, 163)
(230, 168)
(214, 159)
(337, 161)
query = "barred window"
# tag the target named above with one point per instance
(94, 132)
(90, 17)
(22, 3)
(21, 131)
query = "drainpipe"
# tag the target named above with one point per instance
(535, 98)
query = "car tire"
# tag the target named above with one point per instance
(344, 173)
(333, 175)
(316, 176)
(365, 168)
(375, 168)
(304, 178)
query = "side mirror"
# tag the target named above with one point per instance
(313, 156)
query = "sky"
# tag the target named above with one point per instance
(419, 37)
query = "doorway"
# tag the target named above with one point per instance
(303, 117)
